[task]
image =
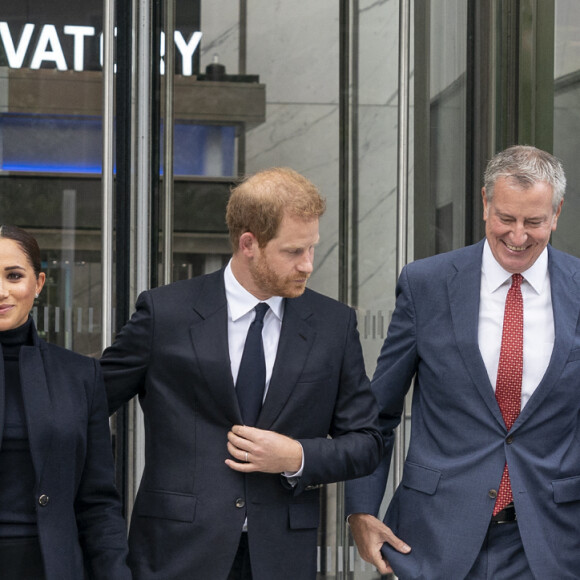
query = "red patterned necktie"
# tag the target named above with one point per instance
(508, 389)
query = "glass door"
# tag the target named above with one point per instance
(567, 119)
(51, 157)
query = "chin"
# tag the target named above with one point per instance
(294, 292)
(515, 268)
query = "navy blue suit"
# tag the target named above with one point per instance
(79, 520)
(190, 508)
(459, 443)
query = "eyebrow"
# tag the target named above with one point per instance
(7, 268)
(293, 246)
(509, 215)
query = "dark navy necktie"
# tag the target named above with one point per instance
(251, 380)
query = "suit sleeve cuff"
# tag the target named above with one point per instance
(292, 478)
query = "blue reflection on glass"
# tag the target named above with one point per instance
(60, 144)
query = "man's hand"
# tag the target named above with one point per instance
(258, 450)
(370, 534)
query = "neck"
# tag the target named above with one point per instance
(19, 335)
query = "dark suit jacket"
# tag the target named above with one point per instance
(78, 510)
(459, 442)
(190, 508)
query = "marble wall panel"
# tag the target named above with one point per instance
(377, 226)
(220, 25)
(378, 47)
(293, 46)
(305, 137)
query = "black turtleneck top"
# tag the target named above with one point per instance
(17, 507)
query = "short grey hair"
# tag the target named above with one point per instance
(527, 166)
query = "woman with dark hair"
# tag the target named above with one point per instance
(60, 515)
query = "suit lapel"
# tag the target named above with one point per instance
(565, 289)
(209, 336)
(37, 405)
(296, 339)
(2, 396)
(463, 285)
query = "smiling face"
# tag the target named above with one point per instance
(282, 267)
(18, 285)
(518, 223)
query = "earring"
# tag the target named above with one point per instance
(37, 295)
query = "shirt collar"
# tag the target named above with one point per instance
(240, 301)
(494, 275)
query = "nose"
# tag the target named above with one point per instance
(307, 264)
(3, 290)
(518, 234)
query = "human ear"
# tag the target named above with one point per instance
(248, 243)
(40, 283)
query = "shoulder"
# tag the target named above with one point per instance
(440, 264)
(74, 364)
(206, 292)
(320, 302)
(179, 302)
(334, 322)
(66, 354)
(563, 260)
(183, 288)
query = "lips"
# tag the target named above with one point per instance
(5, 308)
(515, 248)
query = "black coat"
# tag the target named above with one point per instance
(80, 525)
(190, 508)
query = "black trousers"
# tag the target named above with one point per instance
(241, 568)
(21, 558)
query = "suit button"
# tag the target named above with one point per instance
(43, 500)
(492, 493)
(240, 503)
(510, 439)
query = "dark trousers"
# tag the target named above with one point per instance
(21, 558)
(502, 555)
(241, 568)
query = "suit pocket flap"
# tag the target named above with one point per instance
(574, 355)
(167, 505)
(421, 478)
(566, 490)
(304, 515)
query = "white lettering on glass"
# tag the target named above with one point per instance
(79, 33)
(101, 48)
(14, 55)
(48, 36)
(49, 49)
(186, 49)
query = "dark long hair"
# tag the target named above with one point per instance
(26, 241)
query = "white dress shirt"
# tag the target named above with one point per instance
(241, 314)
(538, 318)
